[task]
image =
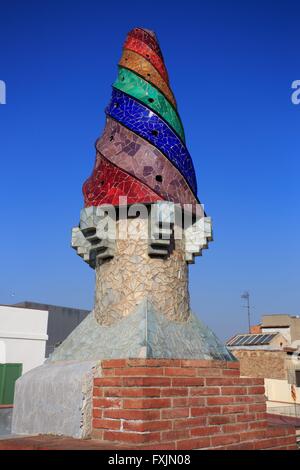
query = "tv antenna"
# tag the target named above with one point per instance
(246, 296)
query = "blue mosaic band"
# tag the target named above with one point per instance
(151, 127)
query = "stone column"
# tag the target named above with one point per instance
(132, 275)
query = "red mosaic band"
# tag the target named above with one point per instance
(109, 182)
(141, 48)
(148, 38)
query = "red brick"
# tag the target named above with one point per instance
(98, 392)
(97, 413)
(206, 431)
(250, 381)
(196, 363)
(240, 446)
(200, 411)
(234, 390)
(189, 401)
(132, 414)
(221, 419)
(258, 398)
(108, 382)
(245, 399)
(235, 428)
(106, 423)
(231, 373)
(173, 391)
(287, 440)
(279, 431)
(252, 435)
(175, 413)
(147, 403)
(153, 362)
(138, 371)
(234, 409)
(108, 372)
(258, 425)
(256, 390)
(189, 422)
(180, 371)
(188, 382)
(265, 443)
(261, 416)
(146, 382)
(113, 363)
(219, 381)
(132, 392)
(212, 410)
(224, 440)
(166, 446)
(147, 426)
(245, 417)
(175, 435)
(131, 437)
(205, 391)
(106, 403)
(198, 443)
(233, 365)
(209, 372)
(219, 400)
(179, 402)
(257, 407)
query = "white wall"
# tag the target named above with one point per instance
(23, 336)
(284, 331)
(279, 391)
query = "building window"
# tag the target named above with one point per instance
(297, 376)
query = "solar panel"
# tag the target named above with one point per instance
(255, 341)
(232, 340)
(245, 338)
(268, 338)
(262, 338)
(251, 339)
(238, 340)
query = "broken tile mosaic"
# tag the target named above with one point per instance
(150, 126)
(141, 48)
(138, 88)
(108, 183)
(142, 160)
(135, 62)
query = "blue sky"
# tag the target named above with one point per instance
(231, 65)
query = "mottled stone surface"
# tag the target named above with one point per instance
(144, 334)
(131, 275)
(55, 399)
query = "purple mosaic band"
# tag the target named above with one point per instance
(140, 159)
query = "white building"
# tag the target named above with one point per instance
(23, 336)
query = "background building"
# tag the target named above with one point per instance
(272, 351)
(61, 321)
(23, 336)
(29, 332)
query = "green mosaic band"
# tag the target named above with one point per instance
(135, 86)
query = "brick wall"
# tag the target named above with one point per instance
(182, 404)
(262, 363)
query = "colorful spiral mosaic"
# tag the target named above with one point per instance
(142, 152)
